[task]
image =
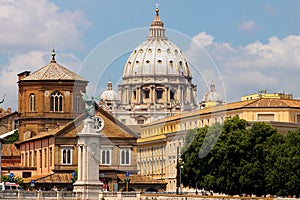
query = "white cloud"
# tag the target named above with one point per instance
(273, 65)
(34, 24)
(29, 29)
(203, 39)
(30, 61)
(247, 26)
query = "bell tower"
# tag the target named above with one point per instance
(48, 98)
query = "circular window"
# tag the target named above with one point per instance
(99, 123)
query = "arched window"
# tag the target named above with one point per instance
(56, 101)
(125, 156)
(67, 156)
(106, 156)
(32, 102)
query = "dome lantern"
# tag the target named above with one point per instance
(157, 29)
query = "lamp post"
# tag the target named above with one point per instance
(180, 187)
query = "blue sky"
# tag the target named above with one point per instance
(252, 45)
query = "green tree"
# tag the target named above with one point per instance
(284, 171)
(237, 158)
(15, 179)
(12, 138)
(259, 141)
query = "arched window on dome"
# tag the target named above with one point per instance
(146, 93)
(56, 102)
(32, 103)
(172, 95)
(159, 93)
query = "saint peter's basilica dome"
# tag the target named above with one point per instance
(157, 55)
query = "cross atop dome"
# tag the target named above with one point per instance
(157, 10)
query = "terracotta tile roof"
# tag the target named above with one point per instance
(35, 177)
(10, 150)
(6, 114)
(54, 71)
(112, 128)
(263, 103)
(255, 103)
(50, 178)
(138, 179)
(40, 135)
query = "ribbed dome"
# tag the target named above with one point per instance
(212, 95)
(157, 55)
(109, 94)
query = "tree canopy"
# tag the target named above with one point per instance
(238, 158)
(12, 138)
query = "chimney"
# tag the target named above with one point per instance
(8, 110)
(23, 75)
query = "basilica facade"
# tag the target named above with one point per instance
(157, 81)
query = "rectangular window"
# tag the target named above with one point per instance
(146, 94)
(125, 156)
(77, 104)
(50, 156)
(298, 118)
(23, 159)
(66, 156)
(171, 95)
(265, 117)
(16, 124)
(45, 157)
(34, 158)
(140, 121)
(106, 156)
(32, 103)
(159, 94)
(26, 174)
(40, 151)
(30, 159)
(26, 159)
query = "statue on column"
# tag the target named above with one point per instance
(90, 105)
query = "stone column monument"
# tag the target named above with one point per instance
(88, 183)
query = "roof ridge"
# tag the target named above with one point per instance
(54, 71)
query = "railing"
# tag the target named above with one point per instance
(67, 195)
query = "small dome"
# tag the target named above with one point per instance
(212, 95)
(109, 94)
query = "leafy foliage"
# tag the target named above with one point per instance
(12, 138)
(15, 179)
(236, 158)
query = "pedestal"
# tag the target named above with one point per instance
(88, 183)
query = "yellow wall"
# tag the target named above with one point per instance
(267, 95)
